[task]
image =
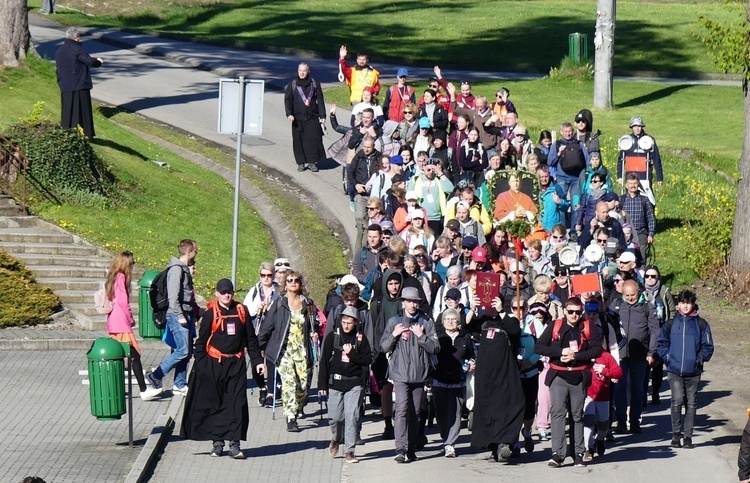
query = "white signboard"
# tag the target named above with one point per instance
(229, 100)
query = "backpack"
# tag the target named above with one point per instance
(102, 303)
(218, 321)
(585, 333)
(157, 293)
(701, 325)
(572, 160)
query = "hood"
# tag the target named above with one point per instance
(175, 261)
(390, 273)
(589, 117)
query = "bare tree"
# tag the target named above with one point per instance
(604, 44)
(14, 32)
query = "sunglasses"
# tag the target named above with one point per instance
(596, 181)
(654, 276)
(603, 242)
(408, 112)
(558, 237)
(618, 280)
(293, 280)
(574, 312)
(226, 292)
(266, 275)
(372, 207)
(433, 86)
(515, 307)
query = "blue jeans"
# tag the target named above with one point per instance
(179, 358)
(633, 375)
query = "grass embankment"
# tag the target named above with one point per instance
(655, 35)
(675, 115)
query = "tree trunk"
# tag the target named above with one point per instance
(604, 48)
(14, 32)
(740, 257)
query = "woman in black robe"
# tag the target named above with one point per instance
(306, 109)
(216, 405)
(498, 396)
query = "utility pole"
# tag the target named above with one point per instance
(604, 46)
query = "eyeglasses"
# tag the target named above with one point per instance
(651, 275)
(293, 280)
(266, 275)
(574, 312)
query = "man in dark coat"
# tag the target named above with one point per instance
(216, 405)
(74, 79)
(306, 109)
(499, 401)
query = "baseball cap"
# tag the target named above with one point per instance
(411, 195)
(512, 267)
(453, 224)
(224, 285)
(424, 123)
(627, 257)
(591, 307)
(469, 242)
(479, 254)
(402, 72)
(351, 279)
(416, 213)
(519, 130)
(397, 159)
(453, 294)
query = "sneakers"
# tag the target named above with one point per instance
(351, 206)
(262, 394)
(587, 456)
(544, 436)
(450, 451)
(150, 393)
(412, 456)
(179, 391)
(349, 458)
(333, 449)
(359, 441)
(503, 453)
(314, 168)
(155, 383)
(556, 461)
(291, 426)
(300, 167)
(579, 460)
(269, 401)
(235, 452)
(600, 447)
(400, 457)
(217, 450)
(676, 443)
(688, 443)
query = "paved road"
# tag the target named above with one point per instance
(155, 86)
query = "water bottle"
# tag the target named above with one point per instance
(660, 311)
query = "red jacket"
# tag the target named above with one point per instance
(599, 388)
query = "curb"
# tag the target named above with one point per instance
(59, 344)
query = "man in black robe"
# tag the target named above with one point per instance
(216, 405)
(498, 395)
(306, 109)
(74, 79)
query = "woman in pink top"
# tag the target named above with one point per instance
(120, 321)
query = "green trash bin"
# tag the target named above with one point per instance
(146, 327)
(107, 379)
(578, 47)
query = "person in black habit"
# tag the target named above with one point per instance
(498, 395)
(216, 405)
(306, 109)
(74, 79)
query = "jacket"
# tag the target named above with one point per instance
(453, 352)
(120, 320)
(395, 100)
(179, 287)
(275, 328)
(477, 211)
(410, 357)
(599, 389)
(552, 213)
(357, 78)
(588, 349)
(684, 344)
(362, 167)
(439, 116)
(73, 63)
(639, 327)
(341, 371)
(364, 326)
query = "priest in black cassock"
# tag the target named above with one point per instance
(306, 109)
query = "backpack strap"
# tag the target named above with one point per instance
(218, 322)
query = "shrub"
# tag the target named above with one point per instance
(572, 70)
(24, 302)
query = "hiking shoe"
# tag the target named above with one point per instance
(314, 168)
(600, 447)
(155, 383)
(291, 426)
(349, 458)
(333, 449)
(587, 456)
(688, 443)
(579, 460)
(400, 457)
(269, 401)
(217, 450)
(450, 451)
(635, 428)
(235, 452)
(262, 394)
(300, 167)
(503, 453)
(387, 434)
(556, 461)
(179, 391)
(412, 456)
(150, 393)
(676, 443)
(544, 436)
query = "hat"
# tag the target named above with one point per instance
(402, 73)
(410, 293)
(462, 204)
(479, 254)
(224, 285)
(411, 195)
(469, 242)
(512, 267)
(612, 245)
(453, 294)
(561, 270)
(627, 257)
(439, 134)
(453, 224)
(397, 159)
(591, 307)
(519, 130)
(538, 308)
(424, 123)
(464, 183)
(580, 117)
(416, 213)
(351, 279)
(636, 121)
(433, 78)
(350, 312)
(397, 178)
(282, 264)
(386, 224)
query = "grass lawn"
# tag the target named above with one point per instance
(167, 205)
(532, 35)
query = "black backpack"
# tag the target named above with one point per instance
(159, 298)
(572, 160)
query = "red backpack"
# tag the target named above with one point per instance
(585, 333)
(218, 321)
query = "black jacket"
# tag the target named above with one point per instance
(450, 359)
(274, 330)
(362, 167)
(341, 372)
(73, 65)
(294, 104)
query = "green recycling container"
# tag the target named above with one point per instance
(107, 379)
(146, 327)
(578, 47)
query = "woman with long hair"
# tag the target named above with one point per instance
(120, 321)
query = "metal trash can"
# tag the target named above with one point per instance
(107, 379)
(146, 327)
(578, 47)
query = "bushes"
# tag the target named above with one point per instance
(24, 302)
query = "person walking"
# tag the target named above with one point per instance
(73, 66)
(306, 110)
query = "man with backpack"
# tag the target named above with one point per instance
(216, 408)
(640, 213)
(180, 318)
(569, 157)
